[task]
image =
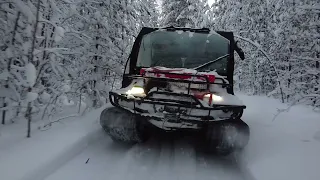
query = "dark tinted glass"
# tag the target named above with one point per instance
(181, 49)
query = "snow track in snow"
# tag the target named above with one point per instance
(157, 159)
(184, 160)
(67, 155)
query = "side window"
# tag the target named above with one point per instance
(125, 80)
(127, 69)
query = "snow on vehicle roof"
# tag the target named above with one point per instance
(191, 33)
(180, 31)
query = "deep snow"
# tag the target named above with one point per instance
(46, 150)
(286, 148)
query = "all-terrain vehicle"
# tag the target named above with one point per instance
(179, 79)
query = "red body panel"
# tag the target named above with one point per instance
(179, 74)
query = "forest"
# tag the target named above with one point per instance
(55, 53)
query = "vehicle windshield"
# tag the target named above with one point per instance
(184, 49)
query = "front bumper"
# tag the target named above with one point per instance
(169, 110)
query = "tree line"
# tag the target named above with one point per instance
(60, 52)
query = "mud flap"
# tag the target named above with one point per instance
(121, 125)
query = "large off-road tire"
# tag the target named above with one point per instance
(225, 137)
(123, 126)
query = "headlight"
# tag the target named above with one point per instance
(136, 91)
(212, 98)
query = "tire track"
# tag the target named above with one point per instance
(71, 152)
(215, 167)
(241, 163)
(184, 160)
(88, 161)
(173, 158)
(146, 160)
(164, 166)
(138, 162)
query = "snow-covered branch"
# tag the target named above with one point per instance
(306, 58)
(310, 7)
(258, 46)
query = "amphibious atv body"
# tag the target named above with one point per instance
(179, 79)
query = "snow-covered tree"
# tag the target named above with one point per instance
(185, 13)
(55, 53)
(111, 26)
(281, 43)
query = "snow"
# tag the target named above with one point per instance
(317, 136)
(39, 156)
(65, 101)
(101, 86)
(31, 74)
(37, 51)
(315, 6)
(66, 88)
(9, 53)
(157, 159)
(59, 34)
(26, 47)
(25, 10)
(285, 148)
(73, 8)
(97, 15)
(4, 75)
(45, 96)
(6, 92)
(31, 96)
(210, 2)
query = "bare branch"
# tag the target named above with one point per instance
(297, 101)
(58, 120)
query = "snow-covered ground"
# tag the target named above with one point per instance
(46, 150)
(158, 159)
(286, 148)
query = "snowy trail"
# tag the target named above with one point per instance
(285, 148)
(159, 158)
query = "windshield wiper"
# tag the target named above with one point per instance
(210, 62)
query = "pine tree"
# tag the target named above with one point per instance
(280, 40)
(185, 13)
